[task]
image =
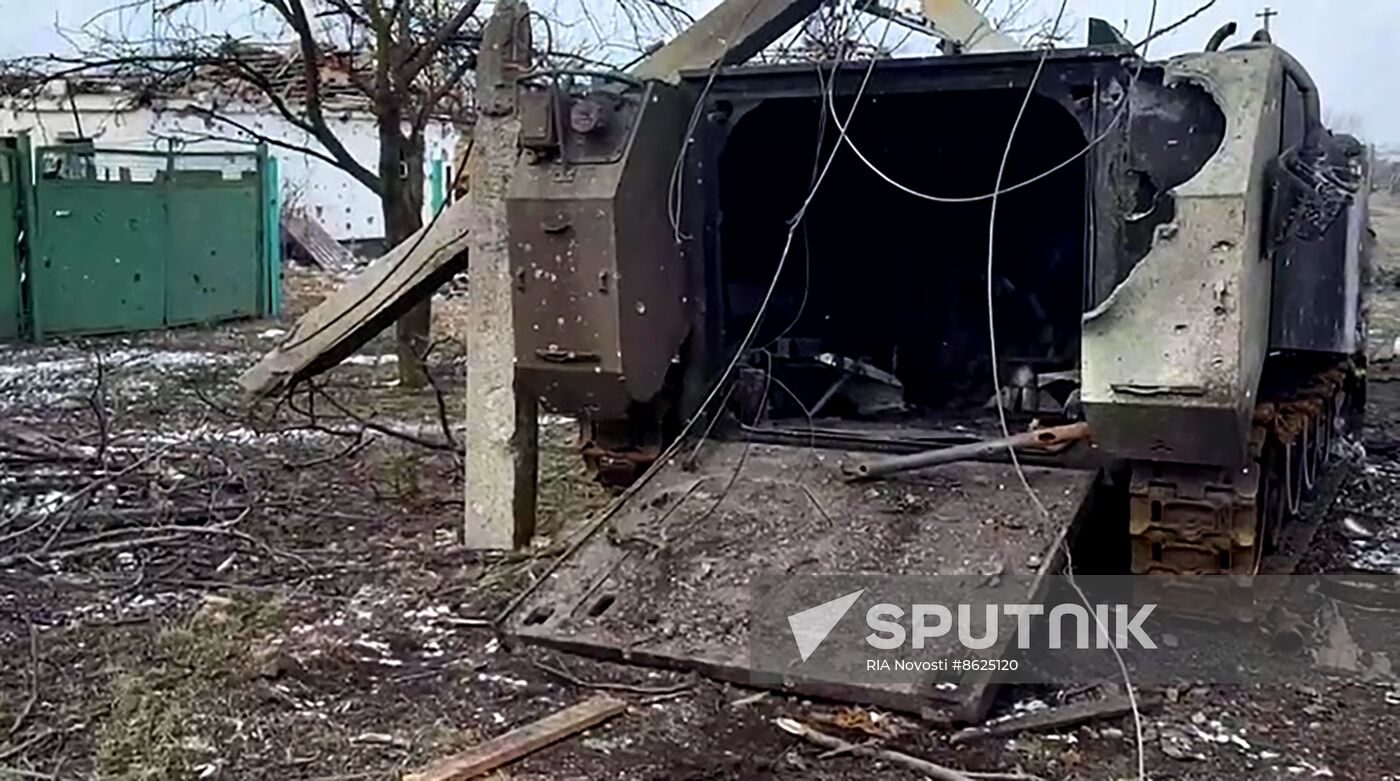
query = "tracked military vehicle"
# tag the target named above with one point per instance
(1179, 259)
(760, 285)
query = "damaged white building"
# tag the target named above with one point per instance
(118, 113)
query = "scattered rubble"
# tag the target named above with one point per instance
(346, 634)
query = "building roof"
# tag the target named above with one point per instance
(278, 66)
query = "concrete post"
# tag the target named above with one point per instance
(502, 429)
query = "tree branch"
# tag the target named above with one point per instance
(410, 70)
(295, 14)
(343, 8)
(437, 94)
(233, 65)
(256, 136)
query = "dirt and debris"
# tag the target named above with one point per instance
(523, 741)
(193, 588)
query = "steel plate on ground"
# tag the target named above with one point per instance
(666, 580)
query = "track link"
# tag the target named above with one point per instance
(1211, 520)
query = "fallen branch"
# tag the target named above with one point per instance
(930, 769)
(39, 446)
(177, 514)
(616, 686)
(84, 491)
(360, 443)
(14, 772)
(519, 742)
(1058, 718)
(33, 683)
(440, 398)
(386, 430)
(20, 748)
(101, 547)
(98, 543)
(97, 401)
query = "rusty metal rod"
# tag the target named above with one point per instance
(1045, 437)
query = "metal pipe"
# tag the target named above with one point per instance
(1045, 437)
(1313, 128)
(1225, 31)
(1312, 103)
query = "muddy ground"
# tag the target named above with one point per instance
(192, 588)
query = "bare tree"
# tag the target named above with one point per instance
(851, 31)
(1021, 19)
(405, 61)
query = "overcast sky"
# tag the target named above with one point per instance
(1351, 47)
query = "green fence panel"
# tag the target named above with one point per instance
(272, 234)
(98, 255)
(130, 240)
(213, 271)
(11, 198)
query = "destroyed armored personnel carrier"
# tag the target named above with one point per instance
(1177, 260)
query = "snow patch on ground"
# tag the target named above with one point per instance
(48, 376)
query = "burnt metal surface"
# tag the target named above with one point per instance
(1175, 129)
(589, 213)
(1171, 359)
(871, 297)
(666, 581)
(1168, 133)
(600, 309)
(1317, 278)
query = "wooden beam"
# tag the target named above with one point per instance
(519, 742)
(731, 33)
(365, 305)
(961, 21)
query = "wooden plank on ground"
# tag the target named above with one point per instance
(522, 741)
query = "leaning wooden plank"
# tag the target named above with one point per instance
(730, 33)
(366, 305)
(522, 741)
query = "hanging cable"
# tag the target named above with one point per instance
(721, 382)
(995, 197)
(1118, 115)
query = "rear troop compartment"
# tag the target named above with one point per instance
(882, 276)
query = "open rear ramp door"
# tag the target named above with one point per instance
(666, 579)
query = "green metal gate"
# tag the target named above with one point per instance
(215, 250)
(14, 155)
(126, 241)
